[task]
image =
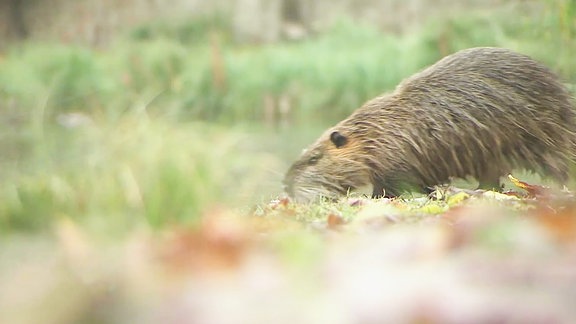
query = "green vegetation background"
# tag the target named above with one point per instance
(177, 118)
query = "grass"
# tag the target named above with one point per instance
(200, 73)
(137, 171)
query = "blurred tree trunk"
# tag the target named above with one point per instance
(12, 16)
(17, 18)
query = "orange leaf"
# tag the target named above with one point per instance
(533, 190)
(559, 221)
(334, 221)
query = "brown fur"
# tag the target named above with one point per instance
(477, 113)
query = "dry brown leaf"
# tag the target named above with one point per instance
(219, 243)
(283, 205)
(278, 203)
(559, 221)
(334, 221)
(533, 190)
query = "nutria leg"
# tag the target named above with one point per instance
(428, 190)
(378, 191)
(489, 183)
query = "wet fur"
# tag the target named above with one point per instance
(480, 112)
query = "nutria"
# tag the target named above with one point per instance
(477, 113)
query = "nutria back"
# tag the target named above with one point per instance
(480, 113)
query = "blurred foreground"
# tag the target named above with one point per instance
(485, 258)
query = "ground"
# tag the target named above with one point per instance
(461, 257)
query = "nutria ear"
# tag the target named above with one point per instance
(338, 139)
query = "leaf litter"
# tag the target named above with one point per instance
(455, 257)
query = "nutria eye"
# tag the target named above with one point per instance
(314, 159)
(338, 139)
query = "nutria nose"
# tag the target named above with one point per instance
(288, 187)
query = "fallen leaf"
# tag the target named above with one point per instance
(334, 221)
(432, 209)
(559, 221)
(281, 202)
(533, 190)
(457, 198)
(498, 196)
(218, 243)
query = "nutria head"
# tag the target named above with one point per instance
(330, 168)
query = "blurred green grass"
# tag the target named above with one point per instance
(324, 77)
(137, 171)
(176, 119)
